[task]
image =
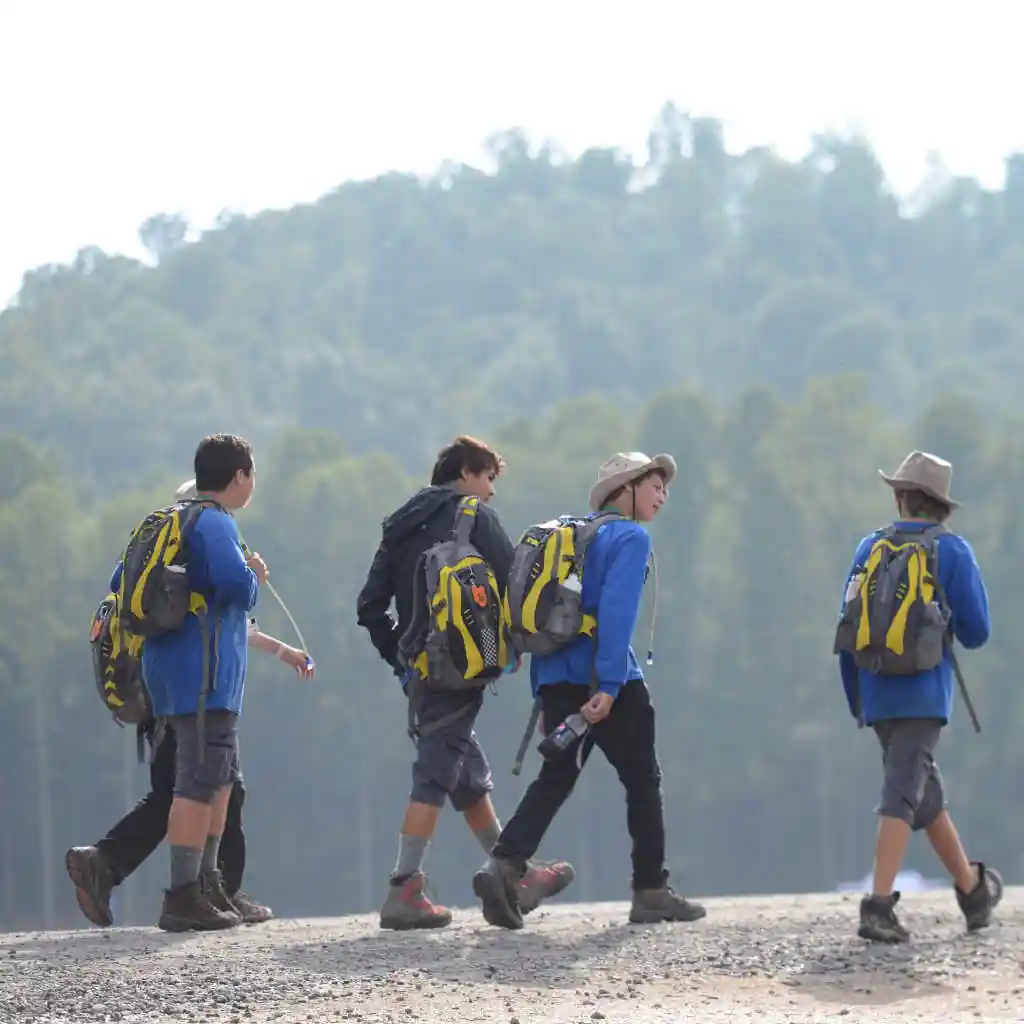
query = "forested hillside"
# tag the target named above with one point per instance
(473, 298)
(783, 329)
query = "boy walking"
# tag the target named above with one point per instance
(900, 614)
(617, 707)
(96, 870)
(450, 764)
(201, 667)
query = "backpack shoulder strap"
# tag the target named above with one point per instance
(465, 518)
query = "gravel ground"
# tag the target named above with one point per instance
(781, 958)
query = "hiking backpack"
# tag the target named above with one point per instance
(458, 638)
(542, 599)
(895, 620)
(153, 598)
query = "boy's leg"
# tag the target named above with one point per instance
(231, 857)
(196, 822)
(440, 754)
(911, 799)
(472, 798)
(231, 861)
(96, 870)
(627, 739)
(497, 883)
(977, 888)
(945, 841)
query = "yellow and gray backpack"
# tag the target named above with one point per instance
(542, 599)
(153, 598)
(895, 620)
(459, 637)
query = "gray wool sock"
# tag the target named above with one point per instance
(487, 837)
(210, 851)
(411, 852)
(185, 861)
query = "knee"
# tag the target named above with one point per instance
(467, 794)
(907, 794)
(642, 775)
(558, 778)
(428, 783)
(201, 777)
(932, 804)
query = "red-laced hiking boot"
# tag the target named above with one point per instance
(541, 882)
(407, 906)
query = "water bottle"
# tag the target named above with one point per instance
(563, 737)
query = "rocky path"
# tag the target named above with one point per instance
(779, 958)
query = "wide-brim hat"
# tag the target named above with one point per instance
(623, 467)
(921, 471)
(186, 490)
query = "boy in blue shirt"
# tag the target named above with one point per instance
(908, 712)
(619, 710)
(207, 762)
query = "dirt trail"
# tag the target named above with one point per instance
(781, 958)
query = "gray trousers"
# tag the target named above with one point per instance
(912, 788)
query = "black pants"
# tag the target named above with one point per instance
(143, 828)
(626, 738)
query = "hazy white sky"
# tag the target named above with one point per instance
(111, 110)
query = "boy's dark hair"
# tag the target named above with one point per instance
(218, 458)
(467, 454)
(917, 504)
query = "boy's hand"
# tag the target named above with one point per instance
(258, 566)
(597, 708)
(304, 668)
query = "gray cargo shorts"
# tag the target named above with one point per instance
(912, 788)
(220, 766)
(450, 761)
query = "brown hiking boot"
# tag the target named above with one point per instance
(663, 904)
(978, 904)
(187, 909)
(541, 882)
(93, 881)
(250, 911)
(212, 885)
(878, 920)
(407, 906)
(496, 885)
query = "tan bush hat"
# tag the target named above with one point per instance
(623, 467)
(920, 471)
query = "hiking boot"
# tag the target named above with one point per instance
(212, 885)
(250, 911)
(407, 906)
(541, 882)
(187, 909)
(93, 880)
(496, 885)
(651, 906)
(978, 904)
(878, 921)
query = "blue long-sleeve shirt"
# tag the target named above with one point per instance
(614, 573)
(926, 694)
(172, 663)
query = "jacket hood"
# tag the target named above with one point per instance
(423, 505)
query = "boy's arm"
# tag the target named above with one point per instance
(619, 606)
(215, 537)
(372, 607)
(966, 593)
